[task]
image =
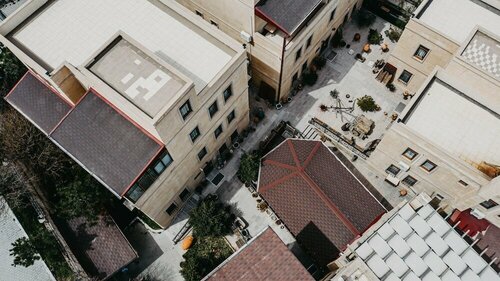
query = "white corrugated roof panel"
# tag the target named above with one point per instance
(399, 245)
(364, 251)
(455, 262)
(425, 211)
(469, 275)
(379, 245)
(488, 274)
(417, 244)
(406, 212)
(430, 276)
(438, 224)
(401, 226)
(397, 265)
(436, 243)
(474, 261)
(450, 276)
(385, 231)
(378, 266)
(392, 277)
(417, 265)
(456, 242)
(435, 263)
(411, 276)
(420, 226)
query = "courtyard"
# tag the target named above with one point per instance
(352, 79)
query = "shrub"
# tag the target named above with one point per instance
(319, 62)
(393, 34)
(211, 218)
(365, 18)
(24, 252)
(249, 167)
(310, 78)
(374, 37)
(367, 103)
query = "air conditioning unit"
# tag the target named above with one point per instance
(392, 180)
(246, 37)
(478, 214)
(404, 167)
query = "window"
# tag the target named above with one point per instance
(184, 194)
(309, 41)
(409, 181)
(198, 13)
(304, 67)
(228, 92)
(405, 76)
(218, 131)
(195, 133)
(428, 166)
(149, 176)
(421, 53)
(185, 109)
(463, 183)
(332, 14)
(392, 170)
(213, 109)
(488, 204)
(231, 117)
(410, 153)
(171, 209)
(214, 23)
(202, 153)
(298, 54)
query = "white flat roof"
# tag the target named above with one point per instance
(10, 231)
(457, 18)
(73, 31)
(456, 123)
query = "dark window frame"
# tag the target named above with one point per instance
(332, 14)
(417, 56)
(393, 170)
(463, 183)
(184, 194)
(198, 13)
(409, 181)
(198, 134)
(229, 90)
(231, 116)
(488, 204)
(309, 41)
(409, 77)
(411, 151)
(298, 54)
(171, 209)
(202, 153)
(434, 166)
(190, 110)
(218, 131)
(213, 105)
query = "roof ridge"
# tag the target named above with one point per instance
(312, 154)
(278, 181)
(294, 153)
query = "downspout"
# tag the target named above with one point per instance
(281, 68)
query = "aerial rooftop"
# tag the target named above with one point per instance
(320, 201)
(72, 31)
(288, 15)
(95, 133)
(416, 243)
(483, 52)
(265, 257)
(456, 19)
(460, 125)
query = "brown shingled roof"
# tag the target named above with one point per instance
(264, 258)
(320, 201)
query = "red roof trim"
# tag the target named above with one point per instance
(278, 164)
(261, 14)
(294, 153)
(278, 181)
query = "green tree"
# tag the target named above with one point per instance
(83, 196)
(249, 167)
(11, 70)
(211, 218)
(24, 252)
(366, 103)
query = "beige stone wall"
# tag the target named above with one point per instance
(441, 52)
(443, 180)
(183, 172)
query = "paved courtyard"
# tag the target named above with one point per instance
(160, 257)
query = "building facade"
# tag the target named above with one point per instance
(281, 37)
(155, 97)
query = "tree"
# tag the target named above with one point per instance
(366, 103)
(364, 18)
(11, 69)
(83, 196)
(374, 37)
(249, 167)
(24, 252)
(210, 218)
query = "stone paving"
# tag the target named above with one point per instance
(160, 258)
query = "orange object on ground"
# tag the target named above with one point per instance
(366, 48)
(187, 242)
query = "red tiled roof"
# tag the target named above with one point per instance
(265, 258)
(320, 201)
